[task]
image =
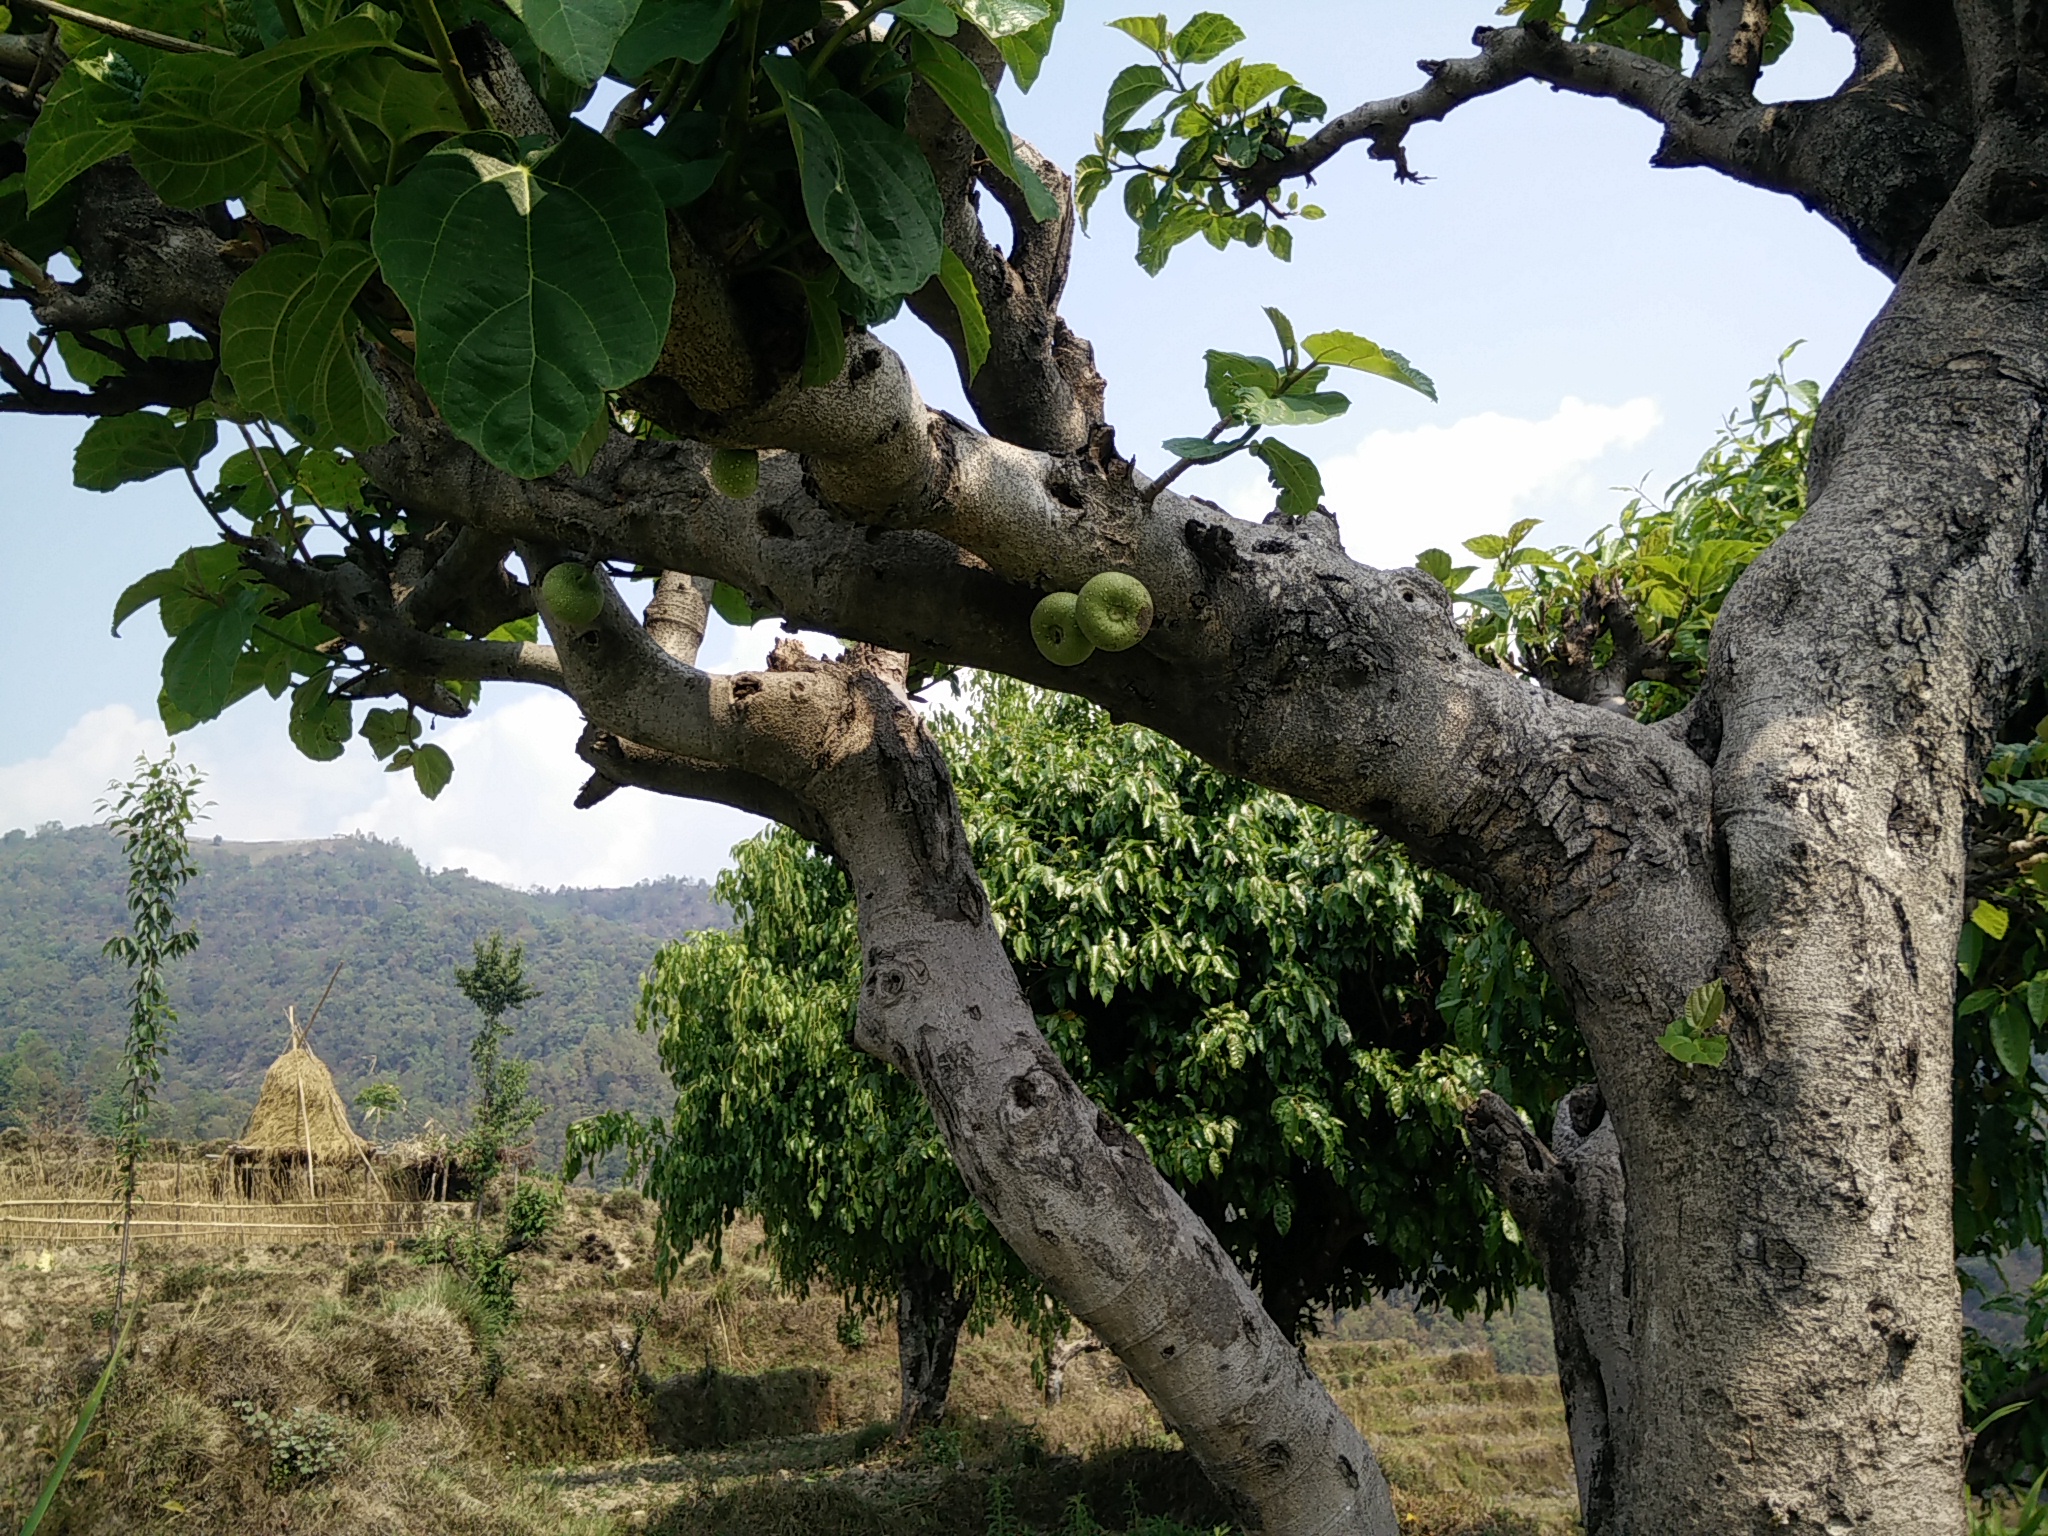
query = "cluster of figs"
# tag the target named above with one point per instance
(1111, 612)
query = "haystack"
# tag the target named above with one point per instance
(300, 1112)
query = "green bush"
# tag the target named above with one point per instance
(303, 1444)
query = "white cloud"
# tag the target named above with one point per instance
(507, 816)
(509, 813)
(67, 783)
(1398, 493)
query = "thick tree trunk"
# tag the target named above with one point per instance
(1790, 1359)
(1069, 1188)
(929, 1315)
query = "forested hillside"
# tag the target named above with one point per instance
(274, 919)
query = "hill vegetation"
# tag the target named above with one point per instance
(274, 919)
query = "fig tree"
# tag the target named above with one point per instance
(1114, 611)
(1059, 637)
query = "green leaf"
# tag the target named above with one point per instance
(670, 29)
(1025, 52)
(1487, 546)
(1294, 476)
(1980, 1001)
(959, 285)
(1129, 91)
(261, 93)
(138, 446)
(1694, 1053)
(2012, 1038)
(330, 480)
(1284, 329)
(1199, 450)
(1993, 920)
(253, 326)
(1490, 598)
(189, 154)
(734, 606)
(144, 591)
(1705, 1005)
(432, 768)
(1226, 373)
(400, 103)
(677, 180)
(386, 730)
(325, 377)
(199, 666)
(1240, 88)
(84, 120)
(536, 282)
(1150, 31)
(934, 16)
(825, 338)
(2037, 999)
(1290, 410)
(868, 190)
(1342, 349)
(1437, 563)
(578, 35)
(1205, 36)
(1006, 18)
(320, 723)
(966, 94)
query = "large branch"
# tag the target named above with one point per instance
(1877, 159)
(1273, 654)
(1067, 1186)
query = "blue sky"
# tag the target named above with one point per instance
(1588, 321)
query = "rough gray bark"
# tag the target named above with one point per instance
(1572, 1206)
(929, 1315)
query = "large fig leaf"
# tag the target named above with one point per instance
(325, 376)
(84, 121)
(191, 156)
(578, 35)
(872, 201)
(252, 326)
(536, 282)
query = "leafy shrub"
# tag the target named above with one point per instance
(2028, 1517)
(2002, 1393)
(303, 1444)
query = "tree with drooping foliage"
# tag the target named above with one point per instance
(677, 378)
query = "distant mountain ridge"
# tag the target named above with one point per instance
(274, 918)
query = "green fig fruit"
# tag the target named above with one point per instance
(1059, 638)
(1114, 611)
(736, 472)
(572, 594)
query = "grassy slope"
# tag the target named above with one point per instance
(380, 1345)
(274, 919)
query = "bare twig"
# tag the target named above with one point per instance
(163, 42)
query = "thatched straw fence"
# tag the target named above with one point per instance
(66, 1191)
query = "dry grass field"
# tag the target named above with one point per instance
(273, 1391)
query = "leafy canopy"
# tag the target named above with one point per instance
(1249, 984)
